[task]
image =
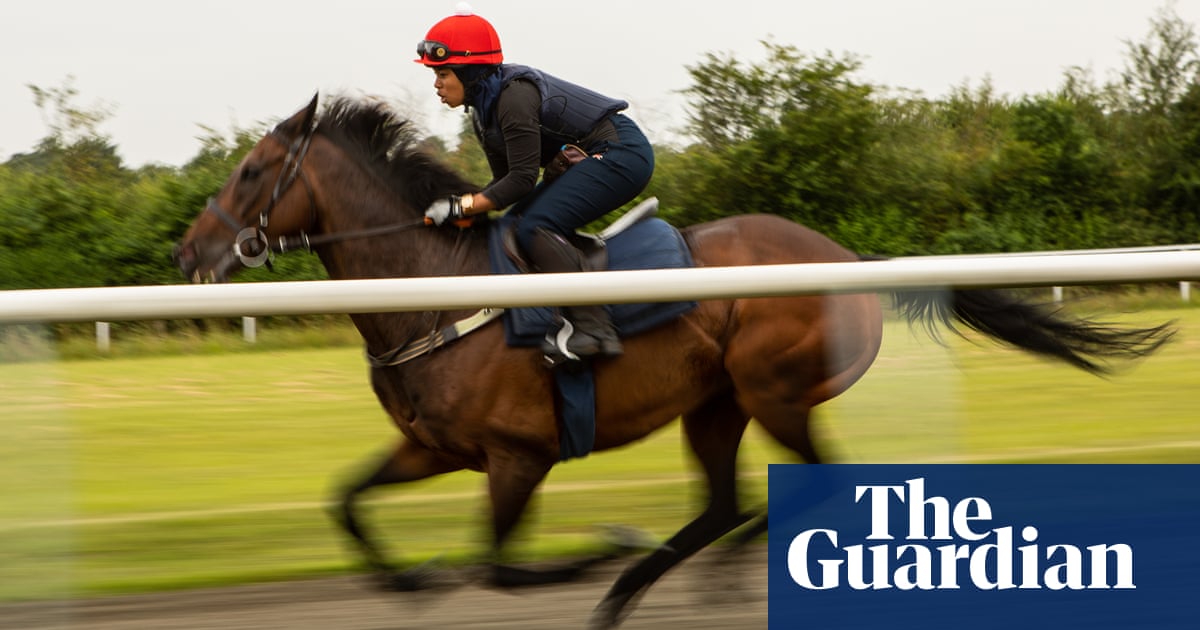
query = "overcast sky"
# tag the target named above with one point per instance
(165, 67)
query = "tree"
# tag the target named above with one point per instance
(784, 136)
(60, 199)
(1160, 69)
(73, 141)
(67, 122)
(1157, 126)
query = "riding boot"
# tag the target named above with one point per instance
(591, 330)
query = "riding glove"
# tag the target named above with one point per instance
(449, 208)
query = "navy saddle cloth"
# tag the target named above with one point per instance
(648, 244)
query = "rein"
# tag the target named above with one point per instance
(306, 242)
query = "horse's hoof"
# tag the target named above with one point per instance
(629, 540)
(405, 582)
(419, 578)
(610, 613)
(602, 619)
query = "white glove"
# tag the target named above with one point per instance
(444, 209)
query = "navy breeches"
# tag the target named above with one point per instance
(591, 188)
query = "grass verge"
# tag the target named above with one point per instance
(159, 472)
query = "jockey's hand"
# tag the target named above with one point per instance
(447, 208)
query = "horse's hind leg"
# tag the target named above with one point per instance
(407, 462)
(791, 429)
(780, 377)
(714, 433)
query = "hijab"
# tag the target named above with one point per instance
(481, 84)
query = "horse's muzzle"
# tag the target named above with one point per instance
(184, 257)
(188, 260)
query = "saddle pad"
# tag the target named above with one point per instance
(648, 244)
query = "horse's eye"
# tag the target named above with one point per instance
(250, 173)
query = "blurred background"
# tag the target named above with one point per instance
(179, 454)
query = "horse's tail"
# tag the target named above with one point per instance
(1037, 328)
(1033, 327)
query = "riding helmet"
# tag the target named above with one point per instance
(462, 38)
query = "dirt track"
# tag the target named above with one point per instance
(702, 594)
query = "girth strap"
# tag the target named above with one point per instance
(434, 340)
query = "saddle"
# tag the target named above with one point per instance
(638, 240)
(592, 245)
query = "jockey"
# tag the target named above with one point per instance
(522, 118)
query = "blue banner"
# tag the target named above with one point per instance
(984, 546)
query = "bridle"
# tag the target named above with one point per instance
(288, 174)
(260, 248)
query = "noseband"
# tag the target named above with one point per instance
(288, 174)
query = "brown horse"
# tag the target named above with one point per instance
(351, 185)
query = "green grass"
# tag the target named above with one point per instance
(155, 472)
(77, 341)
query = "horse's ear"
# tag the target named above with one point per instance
(310, 112)
(302, 121)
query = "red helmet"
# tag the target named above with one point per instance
(462, 38)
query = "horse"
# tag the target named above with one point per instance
(350, 184)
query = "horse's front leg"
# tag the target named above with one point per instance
(407, 462)
(512, 480)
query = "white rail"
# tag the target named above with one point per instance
(466, 292)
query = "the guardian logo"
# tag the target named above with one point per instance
(986, 547)
(949, 545)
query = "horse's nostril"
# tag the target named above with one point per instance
(184, 257)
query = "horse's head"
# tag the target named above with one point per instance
(258, 206)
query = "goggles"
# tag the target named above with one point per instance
(438, 52)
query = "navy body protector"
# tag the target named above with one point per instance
(569, 112)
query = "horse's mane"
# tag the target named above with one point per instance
(389, 146)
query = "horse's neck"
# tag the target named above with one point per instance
(353, 200)
(417, 251)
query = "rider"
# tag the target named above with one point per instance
(522, 117)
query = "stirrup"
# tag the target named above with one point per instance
(554, 346)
